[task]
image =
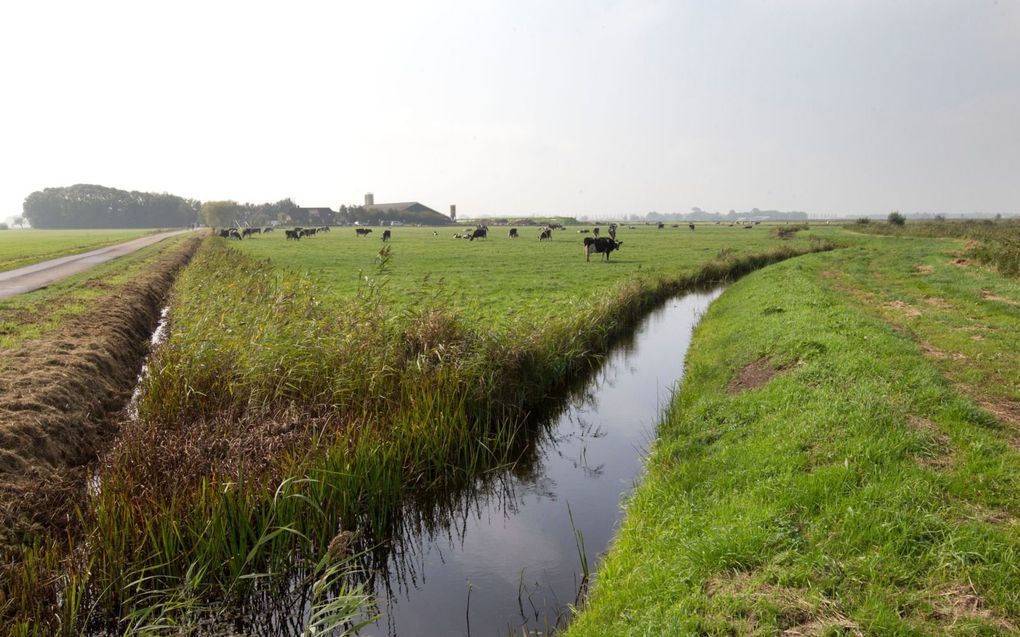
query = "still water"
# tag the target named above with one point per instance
(506, 559)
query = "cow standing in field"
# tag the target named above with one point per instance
(691, 226)
(601, 245)
(612, 231)
(660, 225)
(545, 234)
(247, 232)
(293, 234)
(595, 231)
(513, 233)
(481, 232)
(386, 235)
(362, 232)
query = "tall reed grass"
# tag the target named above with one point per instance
(272, 425)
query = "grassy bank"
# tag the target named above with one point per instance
(352, 407)
(41, 313)
(19, 248)
(994, 243)
(817, 474)
(76, 351)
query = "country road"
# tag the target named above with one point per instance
(39, 275)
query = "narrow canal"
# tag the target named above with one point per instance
(507, 560)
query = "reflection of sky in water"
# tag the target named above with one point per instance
(516, 550)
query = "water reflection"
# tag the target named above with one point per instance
(500, 555)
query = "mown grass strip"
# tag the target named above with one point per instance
(848, 490)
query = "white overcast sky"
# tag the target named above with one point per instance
(521, 106)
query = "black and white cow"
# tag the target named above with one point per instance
(600, 245)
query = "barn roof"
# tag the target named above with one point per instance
(396, 207)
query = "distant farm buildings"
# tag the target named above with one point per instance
(371, 213)
(406, 212)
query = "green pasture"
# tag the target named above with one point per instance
(862, 489)
(19, 248)
(500, 281)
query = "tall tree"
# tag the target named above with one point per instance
(220, 213)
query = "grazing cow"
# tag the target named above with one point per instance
(481, 232)
(545, 234)
(324, 229)
(362, 232)
(583, 231)
(660, 225)
(595, 231)
(632, 227)
(269, 229)
(386, 235)
(247, 232)
(601, 245)
(225, 233)
(513, 233)
(293, 234)
(435, 234)
(691, 226)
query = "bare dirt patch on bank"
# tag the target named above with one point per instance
(58, 392)
(754, 375)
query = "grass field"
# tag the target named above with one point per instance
(294, 366)
(869, 486)
(502, 283)
(19, 248)
(826, 467)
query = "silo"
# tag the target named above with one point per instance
(369, 199)
(453, 212)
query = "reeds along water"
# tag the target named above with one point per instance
(270, 424)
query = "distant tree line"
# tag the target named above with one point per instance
(697, 214)
(223, 214)
(91, 206)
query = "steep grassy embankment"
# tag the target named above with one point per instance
(817, 474)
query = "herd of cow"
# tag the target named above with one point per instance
(597, 244)
(295, 233)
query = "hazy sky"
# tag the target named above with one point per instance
(574, 107)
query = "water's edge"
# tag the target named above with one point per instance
(514, 553)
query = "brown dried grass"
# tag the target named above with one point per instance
(59, 393)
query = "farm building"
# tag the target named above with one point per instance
(407, 212)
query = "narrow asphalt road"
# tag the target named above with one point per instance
(39, 275)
